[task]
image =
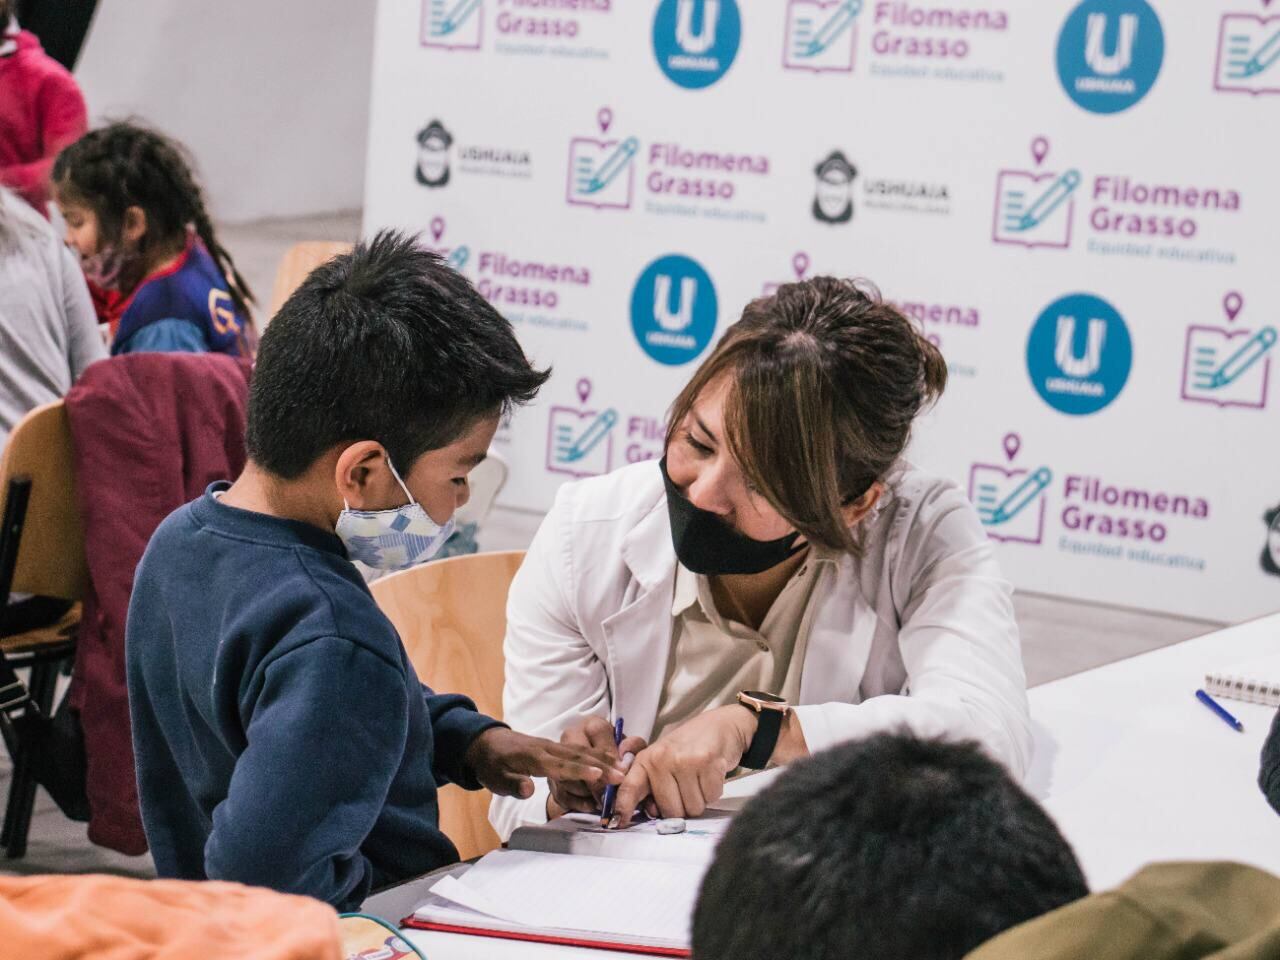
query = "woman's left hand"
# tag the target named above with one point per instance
(685, 769)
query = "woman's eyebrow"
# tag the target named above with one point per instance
(705, 429)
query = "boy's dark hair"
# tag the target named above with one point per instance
(124, 164)
(887, 848)
(384, 343)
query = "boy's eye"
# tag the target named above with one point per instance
(459, 481)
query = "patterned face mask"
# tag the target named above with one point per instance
(392, 539)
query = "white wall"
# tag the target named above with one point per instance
(272, 97)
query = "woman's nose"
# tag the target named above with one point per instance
(706, 492)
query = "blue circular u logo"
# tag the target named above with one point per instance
(1079, 354)
(673, 309)
(1109, 54)
(696, 41)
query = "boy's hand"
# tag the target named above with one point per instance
(503, 761)
(570, 794)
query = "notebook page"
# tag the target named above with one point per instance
(619, 898)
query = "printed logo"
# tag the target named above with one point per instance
(674, 309)
(1034, 208)
(1248, 54)
(1109, 54)
(457, 257)
(1010, 502)
(833, 192)
(800, 264)
(602, 171)
(696, 41)
(821, 35)
(1228, 366)
(1079, 354)
(1270, 559)
(434, 142)
(580, 440)
(452, 24)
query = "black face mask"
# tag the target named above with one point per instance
(706, 544)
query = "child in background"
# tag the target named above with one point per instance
(41, 111)
(137, 218)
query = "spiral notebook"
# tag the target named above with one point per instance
(1255, 681)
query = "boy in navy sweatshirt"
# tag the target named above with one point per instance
(281, 735)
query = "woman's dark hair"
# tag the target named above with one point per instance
(825, 379)
(125, 165)
(384, 343)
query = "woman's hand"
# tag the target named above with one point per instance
(685, 770)
(504, 760)
(580, 794)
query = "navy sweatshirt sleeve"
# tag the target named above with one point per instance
(314, 775)
(456, 723)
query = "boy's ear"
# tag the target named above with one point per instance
(361, 474)
(133, 227)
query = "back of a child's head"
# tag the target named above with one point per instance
(384, 343)
(883, 849)
(124, 164)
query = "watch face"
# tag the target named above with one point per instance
(764, 697)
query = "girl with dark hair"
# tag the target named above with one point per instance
(136, 216)
(780, 582)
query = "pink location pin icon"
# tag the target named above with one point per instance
(604, 118)
(584, 390)
(1232, 303)
(1039, 149)
(437, 228)
(800, 264)
(1012, 444)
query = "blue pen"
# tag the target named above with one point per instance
(1217, 708)
(611, 792)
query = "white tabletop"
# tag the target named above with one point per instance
(1132, 767)
(1135, 769)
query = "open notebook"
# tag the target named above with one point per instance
(630, 890)
(1257, 681)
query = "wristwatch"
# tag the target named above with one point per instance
(771, 710)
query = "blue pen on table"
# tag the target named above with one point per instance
(1217, 708)
(611, 791)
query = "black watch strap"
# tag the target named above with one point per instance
(769, 725)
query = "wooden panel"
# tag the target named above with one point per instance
(452, 616)
(51, 559)
(298, 261)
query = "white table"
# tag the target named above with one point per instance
(1133, 768)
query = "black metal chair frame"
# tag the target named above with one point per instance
(17, 700)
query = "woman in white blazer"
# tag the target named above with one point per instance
(781, 582)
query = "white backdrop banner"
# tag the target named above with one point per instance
(1078, 201)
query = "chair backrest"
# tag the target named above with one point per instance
(51, 559)
(452, 616)
(298, 261)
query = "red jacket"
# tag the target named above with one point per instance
(41, 111)
(150, 432)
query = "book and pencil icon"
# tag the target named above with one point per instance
(580, 442)
(1248, 54)
(821, 35)
(1035, 209)
(452, 23)
(601, 171)
(1010, 503)
(1230, 368)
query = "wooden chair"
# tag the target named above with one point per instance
(298, 261)
(42, 553)
(452, 616)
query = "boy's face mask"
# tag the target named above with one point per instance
(392, 539)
